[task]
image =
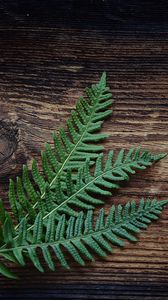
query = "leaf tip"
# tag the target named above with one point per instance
(163, 202)
(159, 156)
(103, 79)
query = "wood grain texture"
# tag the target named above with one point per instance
(49, 52)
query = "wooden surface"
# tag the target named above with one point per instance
(49, 52)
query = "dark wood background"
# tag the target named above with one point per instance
(51, 50)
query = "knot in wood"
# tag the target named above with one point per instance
(8, 139)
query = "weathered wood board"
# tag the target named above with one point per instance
(49, 52)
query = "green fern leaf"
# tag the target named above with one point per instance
(80, 237)
(6, 272)
(71, 149)
(86, 192)
(46, 204)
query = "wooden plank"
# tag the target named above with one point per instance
(45, 63)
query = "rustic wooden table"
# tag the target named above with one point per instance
(49, 52)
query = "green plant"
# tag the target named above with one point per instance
(71, 149)
(46, 205)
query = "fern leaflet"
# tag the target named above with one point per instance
(78, 235)
(85, 193)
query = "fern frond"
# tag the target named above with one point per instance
(86, 192)
(79, 236)
(46, 205)
(71, 149)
